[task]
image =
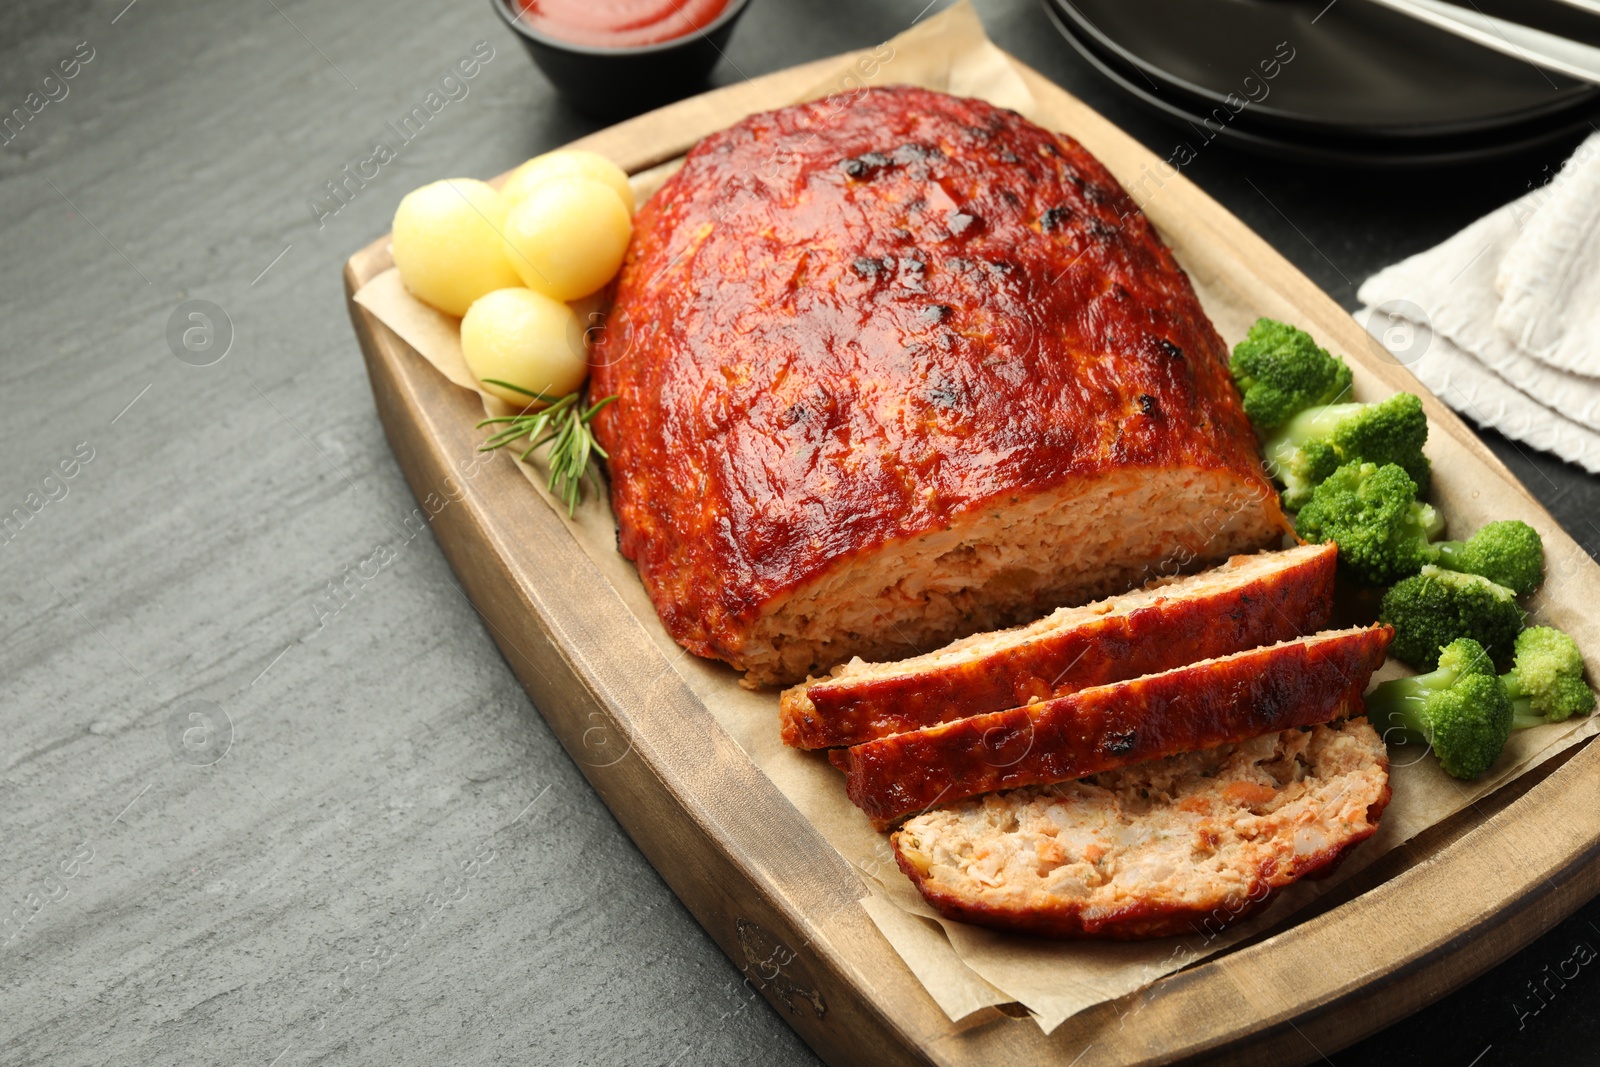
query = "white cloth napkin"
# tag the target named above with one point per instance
(1549, 282)
(1502, 321)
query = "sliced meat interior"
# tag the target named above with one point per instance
(1181, 845)
(1228, 699)
(1248, 602)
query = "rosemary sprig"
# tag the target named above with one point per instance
(564, 425)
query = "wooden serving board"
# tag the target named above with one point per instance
(780, 900)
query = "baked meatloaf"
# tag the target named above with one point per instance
(1182, 845)
(898, 367)
(1249, 601)
(1219, 701)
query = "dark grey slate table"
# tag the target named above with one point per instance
(247, 822)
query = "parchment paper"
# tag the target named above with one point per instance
(966, 968)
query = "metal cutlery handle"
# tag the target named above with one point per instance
(1524, 42)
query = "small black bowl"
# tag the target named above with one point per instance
(614, 83)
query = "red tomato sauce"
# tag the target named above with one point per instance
(619, 23)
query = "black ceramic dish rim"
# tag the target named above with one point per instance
(1579, 98)
(518, 25)
(1327, 150)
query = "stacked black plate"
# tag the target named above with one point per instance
(1346, 82)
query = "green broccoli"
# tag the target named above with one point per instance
(1383, 532)
(1546, 684)
(1281, 371)
(1509, 552)
(1431, 609)
(1460, 709)
(1317, 441)
(1372, 512)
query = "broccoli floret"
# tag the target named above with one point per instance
(1459, 709)
(1383, 532)
(1281, 371)
(1431, 609)
(1318, 440)
(1546, 684)
(1508, 552)
(1374, 516)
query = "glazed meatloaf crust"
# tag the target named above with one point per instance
(1249, 601)
(898, 367)
(1219, 701)
(1181, 845)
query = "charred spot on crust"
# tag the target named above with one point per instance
(1120, 744)
(946, 396)
(1096, 193)
(868, 267)
(911, 269)
(1148, 405)
(865, 166)
(869, 165)
(1170, 349)
(1270, 703)
(935, 313)
(912, 152)
(1102, 231)
(1054, 218)
(794, 413)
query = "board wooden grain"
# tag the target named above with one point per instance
(781, 902)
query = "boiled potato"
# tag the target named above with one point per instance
(566, 239)
(447, 243)
(567, 163)
(527, 339)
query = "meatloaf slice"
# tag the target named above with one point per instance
(1180, 845)
(1249, 601)
(1218, 701)
(896, 367)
